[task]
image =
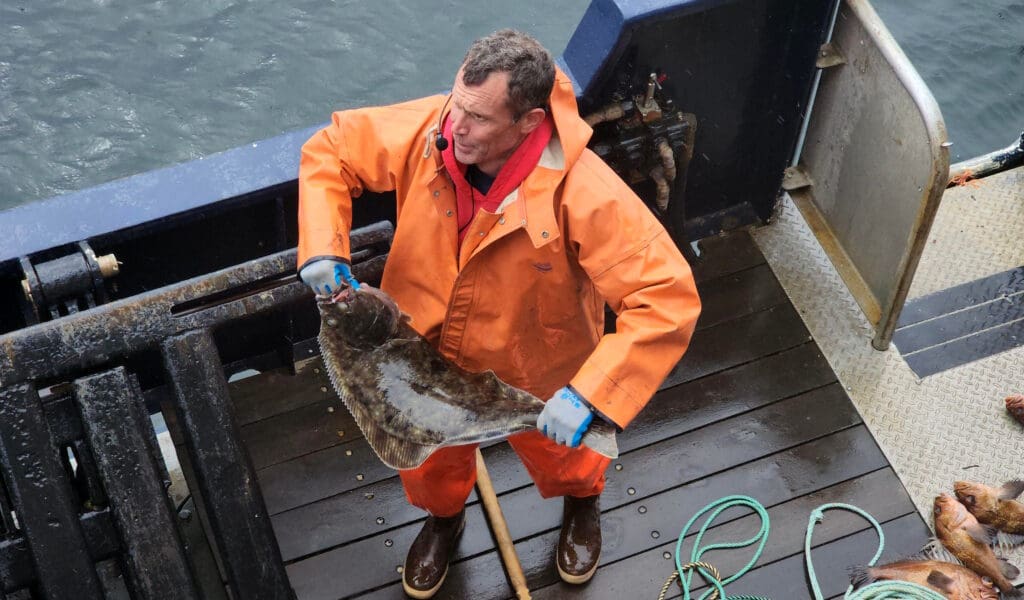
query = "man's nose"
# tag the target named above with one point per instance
(459, 123)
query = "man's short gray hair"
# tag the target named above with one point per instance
(531, 72)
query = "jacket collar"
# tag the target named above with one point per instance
(532, 203)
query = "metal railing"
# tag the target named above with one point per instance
(64, 385)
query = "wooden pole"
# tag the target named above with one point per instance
(497, 520)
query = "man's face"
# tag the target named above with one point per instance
(483, 128)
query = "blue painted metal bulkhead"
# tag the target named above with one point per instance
(743, 67)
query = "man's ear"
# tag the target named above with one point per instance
(531, 119)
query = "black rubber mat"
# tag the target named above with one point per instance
(962, 324)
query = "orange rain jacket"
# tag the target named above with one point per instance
(525, 295)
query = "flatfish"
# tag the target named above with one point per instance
(407, 398)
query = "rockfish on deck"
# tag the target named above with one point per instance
(994, 506)
(1015, 404)
(970, 542)
(951, 580)
(406, 397)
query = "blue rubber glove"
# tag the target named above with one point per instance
(565, 418)
(326, 276)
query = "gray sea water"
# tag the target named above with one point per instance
(95, 90)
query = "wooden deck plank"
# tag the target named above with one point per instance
(372, 562)
(746, 292)
(259, 397)
(350, 515)
(302, 431)
(628, 574)
(738, 341)
(726, 254)
(645, 572)
(650, 470)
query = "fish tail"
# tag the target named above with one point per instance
(600, 437)
(861, 575)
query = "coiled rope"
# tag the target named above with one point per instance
(711, 575)
(881, 590)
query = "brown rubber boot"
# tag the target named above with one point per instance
(427, 562)
(579, 545)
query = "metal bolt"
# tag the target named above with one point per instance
(631, 491)
(388, 543)
(481, 234)
(330, 409)
(641, 509)
(359, 477)
(666, 555)
(323, 388)
(399, 568)
(448, 212)
(437, 193)
(348, 453)
(368, 496)
(544, 234)
(655, 534)
(501, 220)
(380, 520)
(185, 515)
(618, 467)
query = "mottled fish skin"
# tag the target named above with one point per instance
(956, 582)
(405, 396)
(966, 539)
(1015, 404)
(994, 506)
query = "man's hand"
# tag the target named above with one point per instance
(565, 418)
(326, 276)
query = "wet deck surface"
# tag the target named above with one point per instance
(752, 409)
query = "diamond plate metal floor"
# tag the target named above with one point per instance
(951, 425)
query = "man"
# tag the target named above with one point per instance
(510, 238)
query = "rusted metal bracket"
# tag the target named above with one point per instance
(829, 55)
(795, 178)
(41, 352)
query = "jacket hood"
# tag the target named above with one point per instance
(572, 131)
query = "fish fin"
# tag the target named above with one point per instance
(1005, 541)
(600, 437)
(860, 575)
(1011, 489)
(934, 550)
(940, 581)
(983, 534)
(1009, 570)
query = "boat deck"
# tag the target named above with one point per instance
(753, 408)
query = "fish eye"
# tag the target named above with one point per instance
(969, 499)
(938, 509)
